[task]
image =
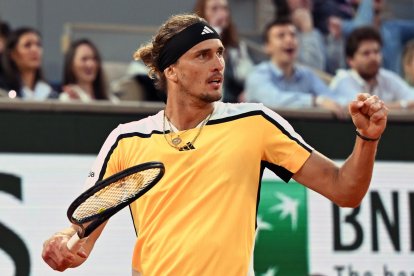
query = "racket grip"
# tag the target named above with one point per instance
(73, 241)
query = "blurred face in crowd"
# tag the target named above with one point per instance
(409, 71)
(367, 59)
(282, 44)
(28, 52)
(217, 14)
(85, 64)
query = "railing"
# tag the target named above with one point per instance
(55, 127)
(134, 107)
(72, 29)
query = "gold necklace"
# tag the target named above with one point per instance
(175, 142)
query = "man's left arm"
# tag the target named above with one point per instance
(347, 185)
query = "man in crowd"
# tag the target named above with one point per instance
(363, 53)
(280, 81)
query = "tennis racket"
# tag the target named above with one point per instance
(103, 200)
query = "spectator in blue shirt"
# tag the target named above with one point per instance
(280, 82)
(363, 53)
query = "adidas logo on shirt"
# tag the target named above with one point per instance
(206, 30)
(187, 146)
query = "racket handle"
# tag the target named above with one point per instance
(73, 241)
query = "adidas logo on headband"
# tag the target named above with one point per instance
(206, 30)
(183, 41)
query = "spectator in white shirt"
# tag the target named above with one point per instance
(363, 53)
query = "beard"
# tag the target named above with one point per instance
(210, 98)
(205, 96)
(194, 89)
(370, 73)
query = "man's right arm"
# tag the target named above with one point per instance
(57, 255)
(55, 252)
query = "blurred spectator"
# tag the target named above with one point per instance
(340, 17)
(408, 62)
(311, 42)
(238, 61)
(136, 85)
(336, 19)
(21, 61)
(83, 76)
(4, 33)
(396, 33)
(280, 82)
(363, 52)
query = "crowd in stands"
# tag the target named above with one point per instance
(320, 54)
(280, 81)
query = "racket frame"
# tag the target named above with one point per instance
(98, 219)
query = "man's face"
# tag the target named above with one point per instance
(282, 44)
(200, 71)
(367, 59)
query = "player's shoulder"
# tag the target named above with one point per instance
(145, 125)
(223, 110)
(229, 111)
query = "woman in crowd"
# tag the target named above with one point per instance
(238, 61)
(21, 64)
(83, 76)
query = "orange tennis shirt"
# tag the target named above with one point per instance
(200, 219)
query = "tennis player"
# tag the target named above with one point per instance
(200, 218)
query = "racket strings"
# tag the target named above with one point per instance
(115, 194)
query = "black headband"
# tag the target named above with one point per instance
(184, 41)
